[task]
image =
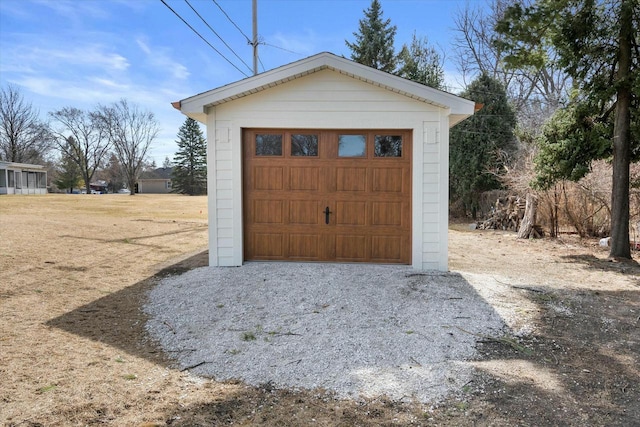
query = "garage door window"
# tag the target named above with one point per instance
(388, 146)
(352, 145)
(304, 145)
(268, 145)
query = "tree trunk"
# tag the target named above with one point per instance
(621, 139)
(132, 186)
(527, 229)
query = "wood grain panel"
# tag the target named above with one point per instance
(267, 245)
(268, 178)
(387, 180)
(304, 212)
(386, 248)
(267, 212)
(304, 178)
(351, 213)
(351, 179)
(351, 248)
(304, 246)
(386, 213)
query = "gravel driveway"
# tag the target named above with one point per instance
(356, 330)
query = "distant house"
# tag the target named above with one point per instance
(99, 187)
(22, 178)
(157, 181)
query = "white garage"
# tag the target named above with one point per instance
(328, 160)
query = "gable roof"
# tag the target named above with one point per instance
(158, 173)
(196, 106)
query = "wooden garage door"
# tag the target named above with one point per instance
(327, 195)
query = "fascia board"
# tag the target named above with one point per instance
(197, 105)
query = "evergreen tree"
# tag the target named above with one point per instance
(597, 44)
(480, 144)
(166, 164)
(112, 173)
(421, 63)
(68, 175)
(374, 41)
(189, 175)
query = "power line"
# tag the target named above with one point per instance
(231, 20)
(203, 39)
(217, 35)
(281, 48)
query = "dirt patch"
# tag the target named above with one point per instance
(75, 270)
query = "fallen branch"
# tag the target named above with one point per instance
(511, 343)
(411, 359)
(171, 328)
(193, 366)
(281, 334)
(527, 288)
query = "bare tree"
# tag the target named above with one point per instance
(536, 92)
(79, 137)
(24, 138)
(131, 132)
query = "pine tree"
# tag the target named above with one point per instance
(421, 63)
(166, 164)
(189, 175)
(374, 41)
(480, 143)
(68, 174)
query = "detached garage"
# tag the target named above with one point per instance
(328, 160)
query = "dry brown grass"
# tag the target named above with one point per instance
(61, 253)
(75, 269)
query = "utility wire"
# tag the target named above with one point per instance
(217, 35)
(231, 20)
(203, 39)
(281, 48)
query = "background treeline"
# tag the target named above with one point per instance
(559, 85)
(560, 88)
(108, 145)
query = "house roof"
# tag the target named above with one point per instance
(14, 165)
(159, 173)
(196, 106)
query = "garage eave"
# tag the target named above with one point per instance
(198, 104)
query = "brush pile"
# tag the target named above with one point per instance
(506, 214)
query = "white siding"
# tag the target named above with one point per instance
(154, 186)
(433, 214)
(328, 100)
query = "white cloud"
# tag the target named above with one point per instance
(75, 11)
(71, 91)
(160, 59)
(109, 83)
(303, 44)
(142, 44)
(45, 58)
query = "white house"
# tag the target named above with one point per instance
(325, 159)
(22, 178)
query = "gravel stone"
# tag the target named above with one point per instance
(357, 330)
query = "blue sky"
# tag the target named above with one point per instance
(80, 53)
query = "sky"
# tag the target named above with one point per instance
(81, 53)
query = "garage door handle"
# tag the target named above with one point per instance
(327, 212)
